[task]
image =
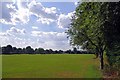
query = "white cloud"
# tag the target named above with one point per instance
(78, 2)
(45, 15)
(63, 45)
(46, 40)
(50, 36)
(6, 22)
(51, 10)
(35, 8)
(45, 20)
(12, 14)
(14, 30)
(4, 34)
(21, 15)
(18, 12)
(54, 40)
(38, 9)
(14, 41)
(13, 36)
(75, 3)
(6, 16)
(65, 20)
(34, 27)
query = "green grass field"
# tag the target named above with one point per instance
(50, 66)
(0, 66)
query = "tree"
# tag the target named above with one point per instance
(39, 51)
(50, 51)
(60, 52)
(0, 50)
(86, 29)
(19, 50)
(24, 50)
(112, 35)
(68, 51)
(15, 51)
(8, 49)
(29, 50)
(96, 26)
(75, 50)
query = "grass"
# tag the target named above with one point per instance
(0, 66)
(50, 66)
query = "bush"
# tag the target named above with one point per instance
(113, 66)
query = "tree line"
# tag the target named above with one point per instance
(29, 50)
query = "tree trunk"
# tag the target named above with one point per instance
(101, 61)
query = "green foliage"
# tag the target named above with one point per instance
(86, 26)
(112, 35)
(29, 50)
(96, 26)
(39, 50)
(87, 29)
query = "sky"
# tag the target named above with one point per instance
(36, 24)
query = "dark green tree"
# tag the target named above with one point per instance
(112, 34)
(15, 51)
(39, 51)
(75, 50)
(8, 49)
(96, 26)
(86, 29)
(29, 50)
(20, 51)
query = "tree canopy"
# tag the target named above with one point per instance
(91, 24)
(86, 28)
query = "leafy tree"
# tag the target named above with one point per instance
(29, 50)
(75, 50)
(56, 52)
(39, 51)
(8, 49)
(86, 29)
(4, 50)
(0, 50)
(20, 51)
(96, 26)
(112, 34)
(36, 52)
(59, 52)
(23, 50)
(15, 51)
(112, 29)
(51, 51)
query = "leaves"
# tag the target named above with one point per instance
(86, 27)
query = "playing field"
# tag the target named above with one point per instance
(50, 66)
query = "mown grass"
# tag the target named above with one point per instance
(0, 66)
(50, 66)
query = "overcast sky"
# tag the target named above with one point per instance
(35, 24)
